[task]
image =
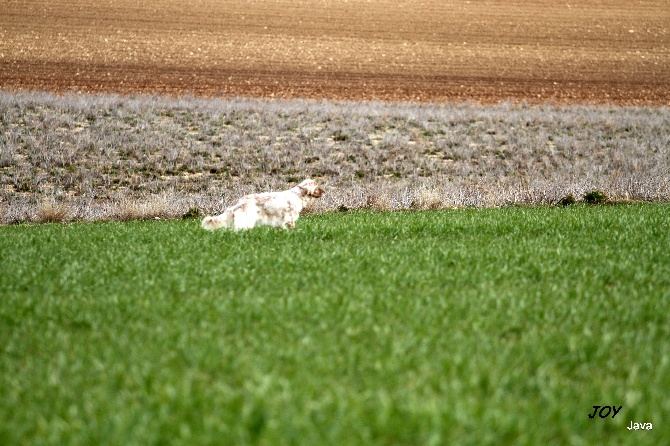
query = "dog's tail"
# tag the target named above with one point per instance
(219, 221)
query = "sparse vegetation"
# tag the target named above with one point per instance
(52, 211)
(568, 200)
(595, 197)
(114, 157)
(193, 212)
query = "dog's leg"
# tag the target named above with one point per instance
(288, 220)
(245, 217)
(240, 221)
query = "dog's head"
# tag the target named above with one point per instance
(309, 188)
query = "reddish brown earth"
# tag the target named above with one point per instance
(587, 51)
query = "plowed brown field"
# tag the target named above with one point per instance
(614, 51)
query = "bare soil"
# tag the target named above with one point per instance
(614, 51)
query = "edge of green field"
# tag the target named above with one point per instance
(497, 326)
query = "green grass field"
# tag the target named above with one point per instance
(498, 326)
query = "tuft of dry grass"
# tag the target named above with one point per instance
(115, 157)
(151, 207)
(427, 199)
(50, 210)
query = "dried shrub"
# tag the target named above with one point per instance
(129, 210)
(192, 213)
(52, 211)
(595, 197)
(427, 199)
(377, 201)
(6, 154)
(152, 207)
(568, 200)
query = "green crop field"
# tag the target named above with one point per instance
(465, 326)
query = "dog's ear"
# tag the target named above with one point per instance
(305, 185)
(317, 192)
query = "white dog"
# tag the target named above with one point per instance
(278, 209)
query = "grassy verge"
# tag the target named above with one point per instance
(465, 326)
